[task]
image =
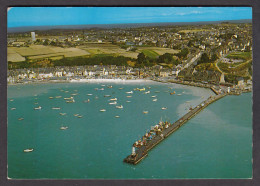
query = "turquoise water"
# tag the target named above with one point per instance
(217, 143)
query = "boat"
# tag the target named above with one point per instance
(148, 92)
(145, 112)
(113, 99)
(117, 116)
(71, 101)
(131, 92)
(171, 93)
(11, 100)
(128, 96)
(79, 116)
(87, 101)
(66, 91)
(107, 96)
(128, 101)
(76, 114)
(120, 107)
(28, 150)
(141, 89)
(13, 108)
(164, 108)
(63, 114)
(58, 97)
(55, 108)
(154, 99)
(120, 88)
(36, 103)
(38, 108)
(178, 94)
(102, 110)
(51, 97)
(109, 86)
(68, 98)
(101, 89)
(64, 128)
(157, 91)
(20, 119)
(74, 94)
(153, 96)
(113, 103)
(103, 85)
(89, 94)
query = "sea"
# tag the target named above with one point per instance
(216, 143)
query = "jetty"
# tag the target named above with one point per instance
(141, 151)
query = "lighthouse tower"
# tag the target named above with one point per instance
(133, 151)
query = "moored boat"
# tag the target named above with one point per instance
(28, 150)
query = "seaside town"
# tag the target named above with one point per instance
(215, 55)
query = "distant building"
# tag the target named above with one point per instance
(33, 36)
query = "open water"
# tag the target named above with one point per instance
(217, 143)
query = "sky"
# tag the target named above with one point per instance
(50, 16)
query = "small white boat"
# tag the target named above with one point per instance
(145, 112)
(156, 91)
(51, 97)
(68, 98)
(38, 108)
(101, 89)
(102, 110)
(113, 103)
(103, 85)
(11, 100)
(153, 96)
(89, 94)
(66, 91)
(74, 94)
(64, 128)
(36, 103)
(20, 119)
(110, 86)
(164, 108)
(76, 115)
(107, 96)
(28, 150)
(79, 116)
(120, 107)
(87, 101)
(178, 94)
(113, 99)
(128, 101)
(63, 114)
(120, 88)
(55, 108)
(131, 92)
(148, 92)
(58, 97)
(13, 108)
(117, 116)
(128, 96)
(154, 99)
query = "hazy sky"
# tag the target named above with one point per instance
(45, 16)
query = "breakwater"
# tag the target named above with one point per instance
(140, 151)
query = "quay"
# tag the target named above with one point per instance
(140, 152)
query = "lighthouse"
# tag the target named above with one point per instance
(133, 151)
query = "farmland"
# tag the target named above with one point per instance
(39, 52)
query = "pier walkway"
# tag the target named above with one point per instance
(142, 151)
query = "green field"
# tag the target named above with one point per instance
(240, 55)
(150, 53)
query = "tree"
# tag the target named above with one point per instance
(204, 58)
(141, 58)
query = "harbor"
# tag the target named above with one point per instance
(163, 130)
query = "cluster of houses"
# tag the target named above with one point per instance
(204, 37)
(88, 72)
